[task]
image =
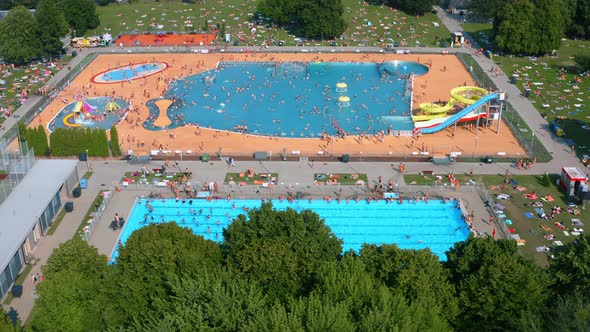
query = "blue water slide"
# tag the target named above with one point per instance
(456, 117)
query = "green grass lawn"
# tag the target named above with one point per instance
(368, 25)
(481, 32)
(341, 178)
(56, 222)
(32, 76)
(529, 229)
(257, 179)
(87, 175)
(556, 96)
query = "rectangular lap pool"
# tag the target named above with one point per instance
(435, 225)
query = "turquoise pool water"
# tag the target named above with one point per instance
(435, 225)
(107, 118)
(294, 99)
(129, 72)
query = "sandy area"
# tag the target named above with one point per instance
(163, 120)
(446, 72)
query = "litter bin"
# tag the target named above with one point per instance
(17, 290)
(77, 192)
(205, 157)
(69, 206)
(345, 158)
(83, 156)
(83, 183)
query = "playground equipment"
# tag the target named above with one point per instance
(465, 95)
(80, 113)
(112, 106)
(436, 119)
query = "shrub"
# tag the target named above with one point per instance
(115, 147)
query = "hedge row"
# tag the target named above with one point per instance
(36, 139)
(115, 147)
(67, 142)
(73, 141)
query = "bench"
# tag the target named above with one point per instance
(427, 172)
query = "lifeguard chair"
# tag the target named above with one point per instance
(571, 180)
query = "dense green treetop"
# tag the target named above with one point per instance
(70, 301)
(151, 257)
(571, 268)
(570, 312)
(580, 18)
(280, 11)
(413, 7)
(19, 42)
(513, 26)
(498, 289)
(9, 4)
(313, 18)
(80, 15)
(280, 249)
(75, 255)
(322, 19)
(52, 26)
(416, 274)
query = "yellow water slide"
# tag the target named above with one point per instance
(464, 94)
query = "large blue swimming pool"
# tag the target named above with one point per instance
(295, 99)
(435, 225)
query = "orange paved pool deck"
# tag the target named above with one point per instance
(446, 72)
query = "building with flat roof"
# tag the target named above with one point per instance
(29, 210)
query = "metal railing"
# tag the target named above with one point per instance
(96, 215)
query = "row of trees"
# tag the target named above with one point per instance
(67, 142)
(529, 26)
(24, 36)
(284, 271)
(574, 14)
(36, 139)
(72, 141)
(412, 7)
(323, 19)
(314, 19)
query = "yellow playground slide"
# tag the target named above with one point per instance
(464, 94)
